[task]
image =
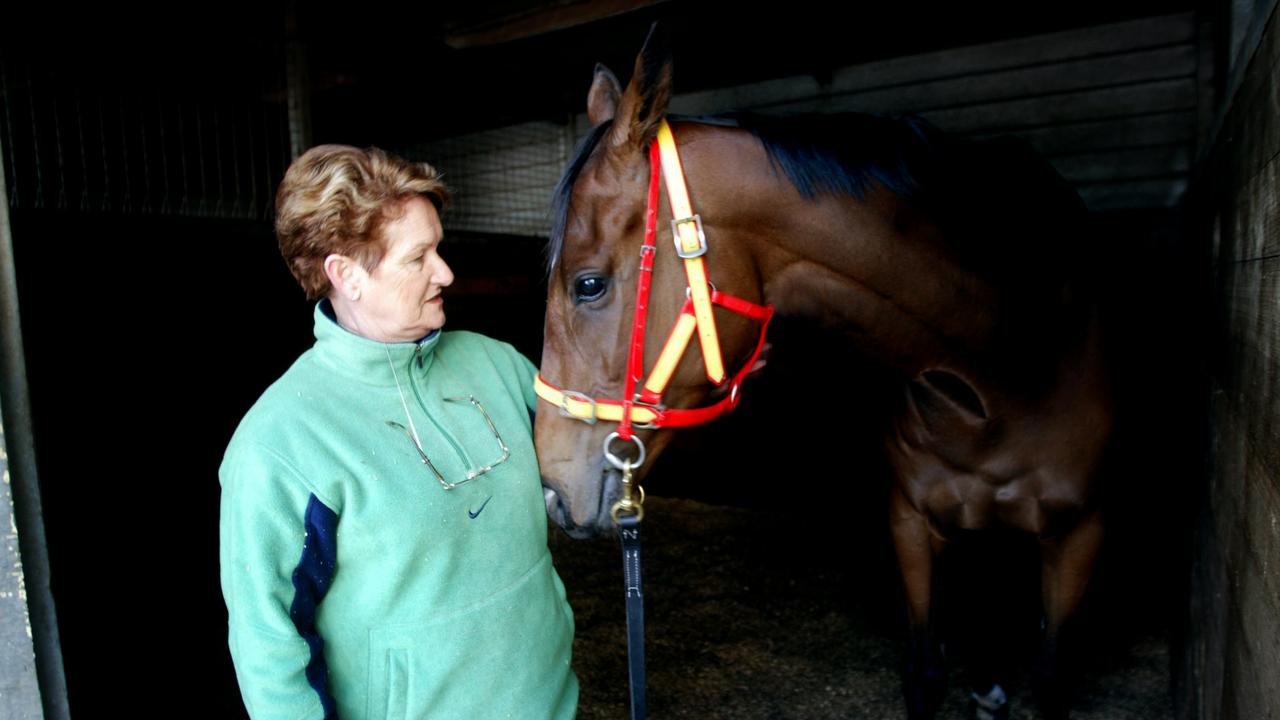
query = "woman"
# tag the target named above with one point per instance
(383, 532)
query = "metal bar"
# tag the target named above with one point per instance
(106, 166)
(28, 515)
(298, 88)
(8, 125)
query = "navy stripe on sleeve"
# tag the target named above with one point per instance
(311, 581)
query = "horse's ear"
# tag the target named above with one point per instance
(644, 103)
(602, 101)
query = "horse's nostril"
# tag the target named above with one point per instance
(555, 508)
(559, 514)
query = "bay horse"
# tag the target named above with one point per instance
(956, 265)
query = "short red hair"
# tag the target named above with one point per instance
(336, 199)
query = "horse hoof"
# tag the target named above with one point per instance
(991, 705)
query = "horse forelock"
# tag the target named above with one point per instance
(563, 194)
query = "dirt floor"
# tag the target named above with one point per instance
(765, 613)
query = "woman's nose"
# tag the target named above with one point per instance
(442, 274)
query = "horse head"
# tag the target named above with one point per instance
(594, 267)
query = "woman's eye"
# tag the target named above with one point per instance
(589, 288)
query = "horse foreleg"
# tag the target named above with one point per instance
(1067, 565)
(924, 679)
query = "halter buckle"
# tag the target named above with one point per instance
(656, 408)
(567, 395)
(702, 237)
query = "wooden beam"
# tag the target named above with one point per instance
(1096, 136)
(1132, 194)
(1052, 52)
(1141, 98)
(537, 20)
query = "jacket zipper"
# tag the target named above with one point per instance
(422, 405)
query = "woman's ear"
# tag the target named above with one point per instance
(345, 275)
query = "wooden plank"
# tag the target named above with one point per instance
(1245, 486)
(1256, 599)
(1205, 95)
(1248, 456)
(1125, 163)
(748, 97)
(1132, 194)
(1201, 677)
(1247, 689)
(1249, 541)
(952, 63)
(1151, 65)
(1228, 483)
(1136, 131)
(1038, 49)
(478, 146)
(1252, 381)
(1260, 514)
(527, 22)
(1254, 120)
(1253, 101)
(1153, 97)
(1257, 210)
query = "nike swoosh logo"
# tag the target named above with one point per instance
(476, 514)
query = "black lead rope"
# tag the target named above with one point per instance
(629, 533)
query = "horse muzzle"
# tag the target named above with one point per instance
(593, 517)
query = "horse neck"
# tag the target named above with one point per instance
(870, 267)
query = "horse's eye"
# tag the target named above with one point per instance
(588, 288)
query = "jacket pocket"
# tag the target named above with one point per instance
(397, 674)
(506, 656)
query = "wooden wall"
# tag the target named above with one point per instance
(1230, 665)
(1116, 108)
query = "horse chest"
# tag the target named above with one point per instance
(983, 482)
(968, 502)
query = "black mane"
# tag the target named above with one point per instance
(849, 154)
(564, 190)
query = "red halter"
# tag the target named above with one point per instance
(643, 408)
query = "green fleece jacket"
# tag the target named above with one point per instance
(357, 586)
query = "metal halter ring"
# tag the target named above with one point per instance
(615, 461)
(688, 291)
